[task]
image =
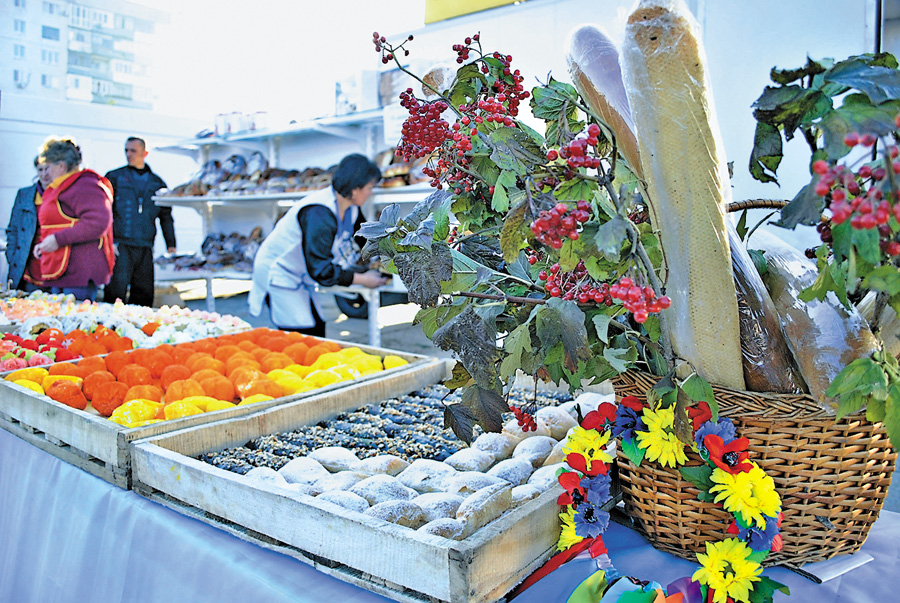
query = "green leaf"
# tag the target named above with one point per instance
(475, 346)
(591, 590)
(601, 324)
(610, 237)
(767, 153)
(866, 242)
(514, 150)
(682, 425)
(618, 358)
(515, 232)
(699, 390)
(875, 410)
(663, 392)
(469, 81)
(487, 406)
(892, 414)
(547, 101)
(433, 318)
(517, 343)
(631, 450)
(422, 272)
(560, 321)
(575, 190)
(805, 208)
(460, 377)
(765, 588)
(699, 475)
(460, 419)
(884, 278)
(880, 84)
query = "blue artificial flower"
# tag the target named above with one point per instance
(590, 521)
(596, 489)
(724, 429)
(628, 421)
(760, 539)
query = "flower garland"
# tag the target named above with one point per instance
(730, 570)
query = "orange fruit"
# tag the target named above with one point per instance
(210, 363)
(246, 345)
(202, 374)
(218, 387)
(116, 361)
(180, 354)
(135, 374)
(261, 385)
(68, 393)
(147, 392)
(294, 336)
(205, 345)
(224, 352)
(173, 372)
(275, 360)
(150, 328)
(92, 363)
(194, 358)
(259, 353)
(296, 352)
(244, 375)
(183, 388)
(108, 397)
(92, 348)
(67, 368)
(314, 352)
(94, 380)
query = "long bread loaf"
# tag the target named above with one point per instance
(687, 181)
(593, 61)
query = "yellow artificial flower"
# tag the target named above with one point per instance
(660, 440)
(751, 494)
(726, 568)
(589, 443)
(567, 536)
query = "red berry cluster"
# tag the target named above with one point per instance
(525, 419)
(462, 50)
(574, 285)
(640, 301)
(387, 51)
(552, 225)
(424, 130)
(514, 91)
(576, 153)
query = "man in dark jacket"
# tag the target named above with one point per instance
(21, 232)
(134, 227)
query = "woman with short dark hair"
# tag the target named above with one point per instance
(313, 245)
(74, 253)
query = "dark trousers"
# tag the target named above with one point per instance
(132, 276)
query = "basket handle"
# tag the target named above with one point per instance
(756, 204)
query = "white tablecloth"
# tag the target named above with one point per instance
(67, 536)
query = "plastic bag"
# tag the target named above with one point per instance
(823, 335)
(767, 360)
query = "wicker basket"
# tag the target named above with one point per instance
(832, 476)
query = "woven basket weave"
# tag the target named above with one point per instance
(832, 476)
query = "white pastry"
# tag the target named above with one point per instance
(470, 459)
(514, 430)
(402, 512)
(524, 493)
(500, 445)
(383, 463)
(545, 477)
(424, 475)
(436, 505)
(345, 499)
(342, 480)
(534, 450)
(558, 420)
(334, 458)
(465, 483)
(445, 527)
(557, 455)
(514, 471)
(381, 488)
(303, 470)
(484, 506)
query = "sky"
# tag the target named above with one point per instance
(278, 56)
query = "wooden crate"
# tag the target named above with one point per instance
(397, 562)
(102, 447)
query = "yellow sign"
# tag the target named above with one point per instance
(438, 10)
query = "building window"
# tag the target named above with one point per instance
(18, 75)
(49, 81)
(19, 26)
(19, 51)
(51, 8)
(50, 33)
(49, 57)
(19, 3)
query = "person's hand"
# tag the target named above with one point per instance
(370, 278)
(48, 245)
(170, 250)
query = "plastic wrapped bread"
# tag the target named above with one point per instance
(768, 362)
(593, 61)
(889, 325)
(823, 336)
(687, 181)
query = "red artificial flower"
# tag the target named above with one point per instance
(596, 419)
(597, 547)
(633, 402)
(731, 458)
(571, 483)
(777, 543)
(578, 463)
(699, 414)
(710, 596)
(733, 528)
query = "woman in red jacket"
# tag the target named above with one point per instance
(75, 252)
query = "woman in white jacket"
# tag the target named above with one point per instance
(313, 245)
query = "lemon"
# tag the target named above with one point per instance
(255, 398)
(134, 411)
(199, 401)
(366, 364)
(294, 384)
(219, 405)
(34, 373)
(276, 374)
(182, 408)
(30, 385)
(327, 360)
(351, 352)
(320, 378)
(299, 369)
(346, 372)
(391, 361)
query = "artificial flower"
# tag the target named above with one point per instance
(751, 495)
(589, 444)
(660, 440)
(571, 483)
(699, 414)
(579, 463)
(600, 418)
(730, 457)
(727, 568)
(628, 418)
(568, 537)
(590, 521)
(758, 539)
(596, 489)
(724, 429)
